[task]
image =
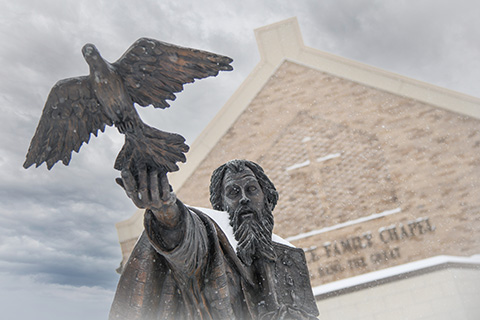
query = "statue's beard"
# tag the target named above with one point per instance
(253, 231)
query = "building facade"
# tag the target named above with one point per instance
(378, 176)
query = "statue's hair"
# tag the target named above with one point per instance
(216, 183)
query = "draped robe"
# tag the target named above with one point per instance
(201, 277)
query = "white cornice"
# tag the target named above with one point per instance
(401, 272)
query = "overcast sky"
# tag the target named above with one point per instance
(58, 243)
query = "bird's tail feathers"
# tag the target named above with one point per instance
(156, 149)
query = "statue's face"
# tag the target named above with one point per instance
(241, 191)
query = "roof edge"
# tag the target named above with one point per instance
(283, 41)
(395, 273)
(394, 83)
(276, 42)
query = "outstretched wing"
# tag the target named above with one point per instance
(153, 71)
(70, 115)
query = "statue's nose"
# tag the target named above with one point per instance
(244, 200)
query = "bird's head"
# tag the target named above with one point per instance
(90, 53)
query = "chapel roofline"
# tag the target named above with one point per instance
(282, 41)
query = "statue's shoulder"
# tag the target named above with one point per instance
(293, 278)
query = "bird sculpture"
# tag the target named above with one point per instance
(148, 73)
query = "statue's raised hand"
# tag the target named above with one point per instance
(149, 189)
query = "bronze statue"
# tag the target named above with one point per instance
(148, 73)
(184, 267)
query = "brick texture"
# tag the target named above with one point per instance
(386, 152)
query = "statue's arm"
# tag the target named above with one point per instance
(150, 190)
(172, 229)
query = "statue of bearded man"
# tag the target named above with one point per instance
(184, 266)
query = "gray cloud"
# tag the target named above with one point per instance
(51, 301)
(428, 41)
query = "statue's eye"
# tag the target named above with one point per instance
(252, 189)
(233, 191)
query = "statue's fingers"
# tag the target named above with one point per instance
(165, 187)
(128, 182)
(143, 184)
(130, 187)
(154, 190)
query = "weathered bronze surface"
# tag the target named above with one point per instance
(183, 266)
(148, 73)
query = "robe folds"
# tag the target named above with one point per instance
(202, 277)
